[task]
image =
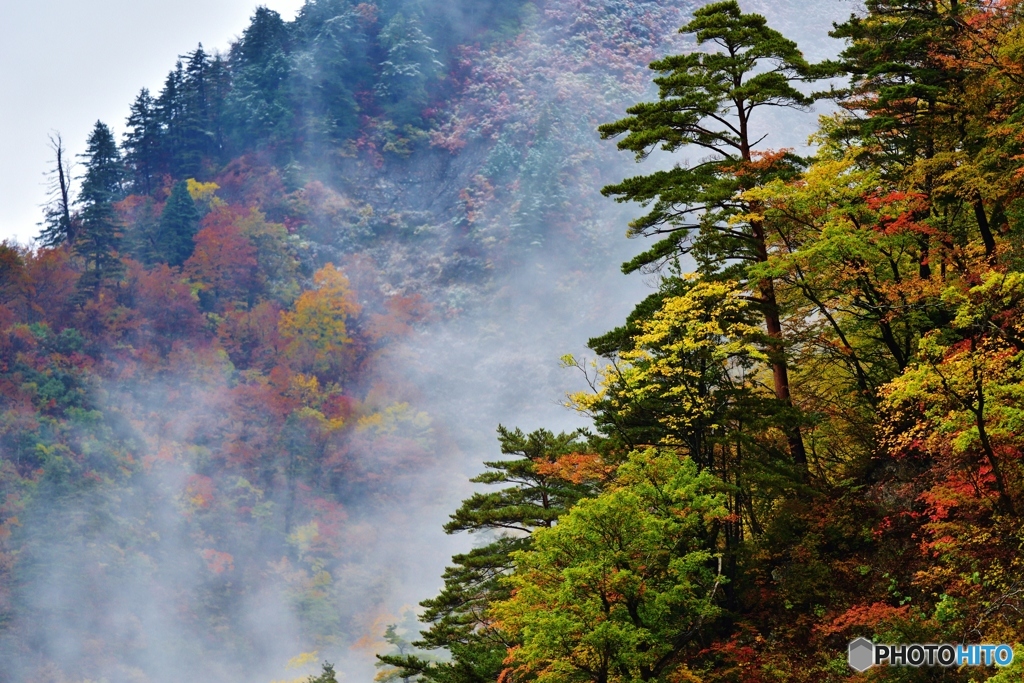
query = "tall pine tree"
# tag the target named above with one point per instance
(170, 109)
(195, 128)
(259, 104)
(411, 65)
(102, 185)
(143, 144)
(707, 102)
(329, 69)
(179, 224)
(458, 618)
(908, 72)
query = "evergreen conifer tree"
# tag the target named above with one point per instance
(327, 675)
(102, 185)
(179, 224)
(259, 103)
(195, 125)
(908, 72)
(143, 143)
(900, 59)
(457, 618)
(410, 66)
(331, 66)
(196, 82)
(218, 84)
(266, 35)
(170, 109)
(707, 101)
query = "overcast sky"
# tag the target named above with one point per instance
(66, 63)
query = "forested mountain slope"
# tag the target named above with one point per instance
(811, 431)
(215, 444)
(234, 372)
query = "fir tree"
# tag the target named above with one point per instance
(218, 84)
(266, 35)
(327, 675)
(329, 68)
(142, 233)
(899, 60)
(907, 88)
(179, 223)
(186, 109)
(259, 104)
(102, 185)
(194, 129)
(196, 83)
(411, 64)
(170, 112)
(143, 143)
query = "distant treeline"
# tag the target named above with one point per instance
(302, 86)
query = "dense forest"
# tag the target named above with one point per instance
(215, 443)
(809, 431)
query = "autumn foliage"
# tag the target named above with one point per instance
(835, 391)
(811, 430)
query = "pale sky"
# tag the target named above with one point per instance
(66, 63)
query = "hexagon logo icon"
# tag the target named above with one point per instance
(861, 654)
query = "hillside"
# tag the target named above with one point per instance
(263, 344)
(218, 365)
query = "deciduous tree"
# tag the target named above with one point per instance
(317, 326)
(624, 585)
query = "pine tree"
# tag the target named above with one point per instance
(170, 110)
(327, 675)
(179, 224)
(411, 64)
(102, 185)
(218, 85)
(266, 35)
(196, 138)
(196, 85)
(332, 65)
(458, 616)
(908, 73)
(898, 57)
(707, 101)
(143, 143)
(258, 103)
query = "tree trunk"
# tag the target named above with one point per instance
(776, 351)
(984, 227)
(64, 187)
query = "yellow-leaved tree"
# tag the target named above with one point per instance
(316, 330)
(686, 372)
